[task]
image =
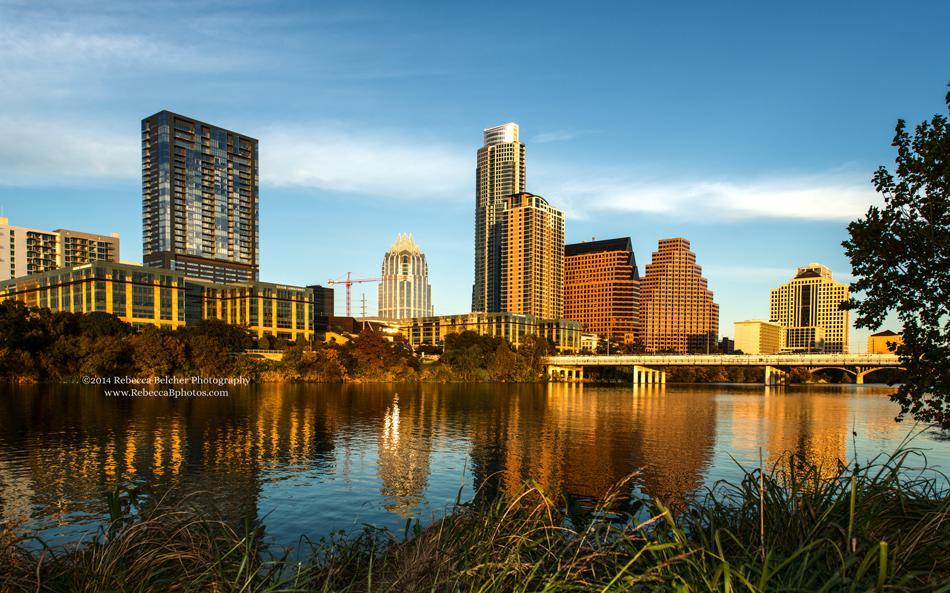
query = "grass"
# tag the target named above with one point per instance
(880, 527)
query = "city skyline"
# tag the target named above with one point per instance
(780, 161)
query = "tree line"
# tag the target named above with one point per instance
(40, 345)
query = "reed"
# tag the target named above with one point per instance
(884, 526)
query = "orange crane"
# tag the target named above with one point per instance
(349, 282)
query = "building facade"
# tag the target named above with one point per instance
(880, 342)
(758, 337)
(167, 298)
(431, 331)
(531, 270)
(26, 251)
(808, 309)
(276, 310)
(200, 194)
(137, 295)
(500, 172)
(602, 287)
(677, 312)
(404, 290)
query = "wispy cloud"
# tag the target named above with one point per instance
(554, 136)
(392, 164)
(823, 196)
(365, 162)
(48, 152)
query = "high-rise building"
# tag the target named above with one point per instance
(531, 264)
(808, 309)
(758, 337)
(26, 251)
(677, 312)
(404, 290)
(602, 287)
(500, 172)
(199, 199)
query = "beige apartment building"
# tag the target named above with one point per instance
(25, 251)
(808, 309)
(531, 263)
(757, 337)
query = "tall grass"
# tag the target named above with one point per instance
(880, 527)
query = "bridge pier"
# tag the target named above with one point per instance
(647, 376)
(569, 374)
(775, 376)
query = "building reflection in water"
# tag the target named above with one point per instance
(404, 450)
(309, 457)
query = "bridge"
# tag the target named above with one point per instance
(263, 354)
(647, 368)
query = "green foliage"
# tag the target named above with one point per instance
(471, 357)
(884, 526)
(900, 254)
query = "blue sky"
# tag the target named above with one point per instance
(751, 129)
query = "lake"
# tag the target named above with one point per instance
(309, 459)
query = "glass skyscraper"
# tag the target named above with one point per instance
(200, 194)
(500, 173)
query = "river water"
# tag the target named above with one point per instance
(309, 459)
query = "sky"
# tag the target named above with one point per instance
(752, 129)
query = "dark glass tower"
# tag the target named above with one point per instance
(200, 194)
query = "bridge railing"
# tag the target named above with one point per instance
(882, 360)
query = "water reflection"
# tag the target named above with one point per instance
(309, 459)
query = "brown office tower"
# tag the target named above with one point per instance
(531, 271)
(602, 287)
(677, 312)
(199, 199)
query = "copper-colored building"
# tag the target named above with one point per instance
(531, 236)
(677, 312)
(602, 287)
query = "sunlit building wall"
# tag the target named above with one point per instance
(277, 310)
(808, 307)
(677, 312)
(200, 193)
(531, 233)
(757, 337)
(880, 342)
(404, 290)
(166, 298)
(431, 331)
(602, 287)
(26, 251)
(137, 295)
(500, 172)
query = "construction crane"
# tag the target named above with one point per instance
(349, 282)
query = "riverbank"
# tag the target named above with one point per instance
(883, 526)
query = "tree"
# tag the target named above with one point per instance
(899, 254)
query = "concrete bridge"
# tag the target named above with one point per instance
(647, 367)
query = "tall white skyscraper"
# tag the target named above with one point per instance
(500, 173)
(404, 292)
